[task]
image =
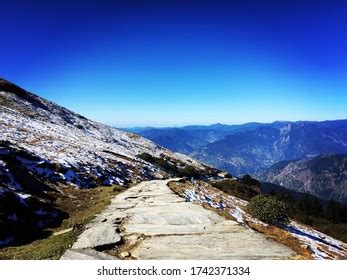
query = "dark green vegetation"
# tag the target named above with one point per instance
(268, 209)
(309, 209)
(328, 217)
(174, 170)
(336, 212)
(245, 187)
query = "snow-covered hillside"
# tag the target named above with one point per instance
(44, 146)
(318, 244)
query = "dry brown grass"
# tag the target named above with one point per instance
(285, 238)
(134, 136)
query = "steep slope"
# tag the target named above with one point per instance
(324, 176)
(44, 146)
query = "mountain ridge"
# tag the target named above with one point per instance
(324, 176)
(45, 147)
(251, 147)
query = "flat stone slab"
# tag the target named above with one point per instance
(86, 254)
(241, 245)
(97, 236)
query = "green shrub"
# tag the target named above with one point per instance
(188, 171)
(335, 212)
(249, 181)
(237, 188)
(268, 209)
(159, 162)
(171, 168)
(79, 126)
(147, 157)
(310, 205)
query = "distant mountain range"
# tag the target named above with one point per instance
(252, 147)
(324, 176)
(302, 156)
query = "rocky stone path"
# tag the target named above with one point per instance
(149, 221)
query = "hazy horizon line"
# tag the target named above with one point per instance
(220, 123)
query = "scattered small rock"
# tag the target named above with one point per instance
(124, 254)
(62, 231)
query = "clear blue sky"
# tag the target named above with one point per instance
(161, 63)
